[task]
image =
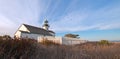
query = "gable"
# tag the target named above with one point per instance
(17, 34)
(23, 28)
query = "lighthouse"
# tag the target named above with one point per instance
(46, 25)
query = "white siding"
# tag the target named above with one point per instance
(53, 34)
(18, 34)
(32, 36)
(23, 28)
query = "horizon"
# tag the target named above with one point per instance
(91, 19)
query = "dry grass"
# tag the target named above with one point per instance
(30, 49)
(48, 42)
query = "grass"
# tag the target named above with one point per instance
(30, 49)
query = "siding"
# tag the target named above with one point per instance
(32, 36)
(18, 34)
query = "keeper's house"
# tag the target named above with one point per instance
(28, 31)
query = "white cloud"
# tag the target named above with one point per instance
(103, 19)
(14, 13)
(109, 26)
(6, 26)
(71, 20)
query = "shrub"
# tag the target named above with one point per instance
(71, 35)
(104, 42)
(5, 37)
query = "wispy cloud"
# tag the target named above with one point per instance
(14, 13)
(6, 26)
(63, 15)
(102, 19)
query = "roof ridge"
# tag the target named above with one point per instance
(38, 28)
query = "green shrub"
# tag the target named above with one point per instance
(104, 42)
(72, 35)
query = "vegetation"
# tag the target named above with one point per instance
(30, 49)
(48, 42)
(16, 49)
(71, 35)
(5, 37)
(104, 42)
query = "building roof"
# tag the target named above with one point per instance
(51, 31)
(37, 30)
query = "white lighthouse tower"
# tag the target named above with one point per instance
(46, 25)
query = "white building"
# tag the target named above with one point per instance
(28, 31)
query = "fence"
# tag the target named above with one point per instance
(62, 40)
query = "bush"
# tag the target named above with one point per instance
(71, 35)
(104, 42)
(5, 37)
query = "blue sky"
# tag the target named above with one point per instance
(91, 19)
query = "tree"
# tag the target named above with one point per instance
(71, 35)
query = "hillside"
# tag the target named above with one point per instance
(30, 49)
